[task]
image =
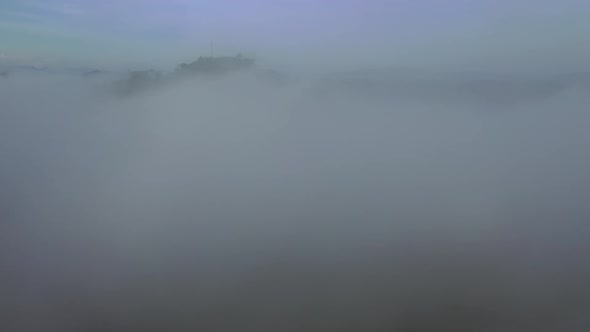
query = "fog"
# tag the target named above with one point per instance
(234, 205)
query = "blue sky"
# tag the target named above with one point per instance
(324, 32)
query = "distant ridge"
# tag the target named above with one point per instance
(216, 65)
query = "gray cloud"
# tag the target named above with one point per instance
(234, 205)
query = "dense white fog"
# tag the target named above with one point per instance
(234, 205)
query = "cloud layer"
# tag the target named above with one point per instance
(230, 204)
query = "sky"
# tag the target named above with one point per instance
(509, 33)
